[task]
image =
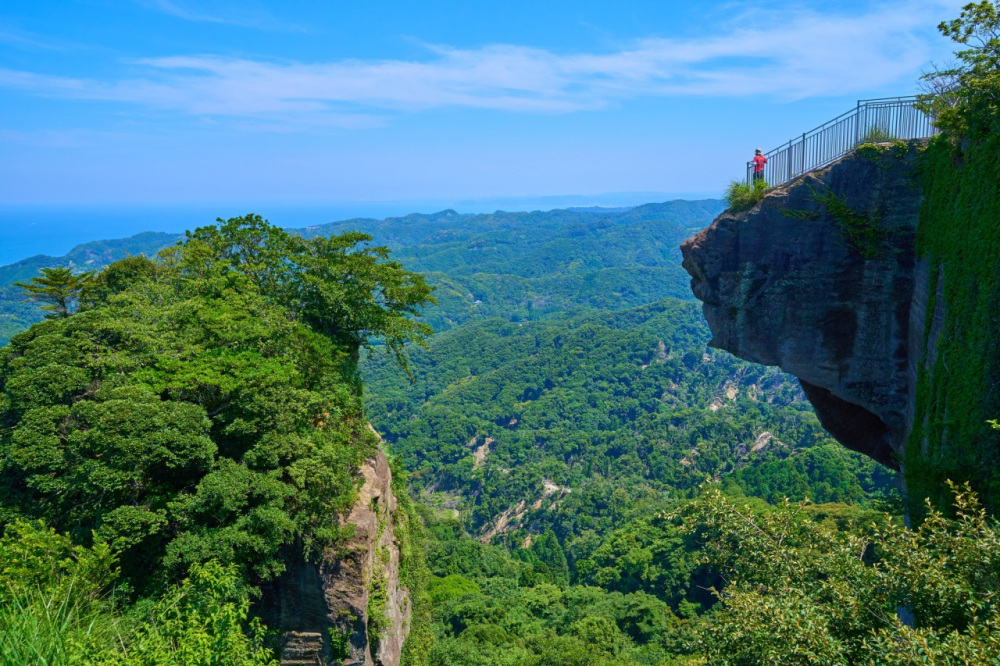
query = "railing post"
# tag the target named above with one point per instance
(788, 160)
(803, 169)
(857, 125)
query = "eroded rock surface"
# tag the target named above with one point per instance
(818, 279)
(324, 610)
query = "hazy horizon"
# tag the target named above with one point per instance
(55, 229)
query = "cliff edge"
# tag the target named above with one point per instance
(876, 282)
(819, 279)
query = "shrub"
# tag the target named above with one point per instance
(740, 195)
(56, 608)
(203, 620)
(51, 610)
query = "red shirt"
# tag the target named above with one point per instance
(758, 163)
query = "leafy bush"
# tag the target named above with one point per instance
(51, 605)
(203, 620)
(799, 592)
(962, 98)
(56, 608)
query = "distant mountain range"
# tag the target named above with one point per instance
(450, 241)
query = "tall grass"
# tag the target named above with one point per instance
(878, 134)
(740, 195)
(57, 609)
(52, 627)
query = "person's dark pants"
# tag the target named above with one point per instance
(758, 175)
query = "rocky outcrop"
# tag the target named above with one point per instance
(352, 608)
(818, 278)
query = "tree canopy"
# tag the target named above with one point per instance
(204, 406)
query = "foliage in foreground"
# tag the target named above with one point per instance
(798, 592)
(636, 596)
(56, 609)
(963, 97)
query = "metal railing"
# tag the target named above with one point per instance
(884, 119)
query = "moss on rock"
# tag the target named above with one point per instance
(958, 387)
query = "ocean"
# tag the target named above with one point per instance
(54, 230)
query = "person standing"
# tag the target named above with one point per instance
(758, 165)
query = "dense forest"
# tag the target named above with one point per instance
(546, 450)
(630, 402)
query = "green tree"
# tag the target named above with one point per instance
(57, 289)
(965, 98)
(339, 286)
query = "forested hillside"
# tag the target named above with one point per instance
(566, 462)
(567, 399)
(502, 439)
(581, 408)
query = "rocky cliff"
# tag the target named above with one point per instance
(876, 281)
(352, 609)
(819, 279)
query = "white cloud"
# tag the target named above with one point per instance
(243, 13)
(783, 55)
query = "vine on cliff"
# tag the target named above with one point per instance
(861, 230)
(957, 387)
(883, 154)
(959, 393)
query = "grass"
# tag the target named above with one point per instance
(53, 626)
(740, 195)
(878, 134)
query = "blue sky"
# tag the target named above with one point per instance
(156, 102)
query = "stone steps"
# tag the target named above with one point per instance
(302, 649)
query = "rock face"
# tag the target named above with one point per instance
(818, 278)
(326, 611)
